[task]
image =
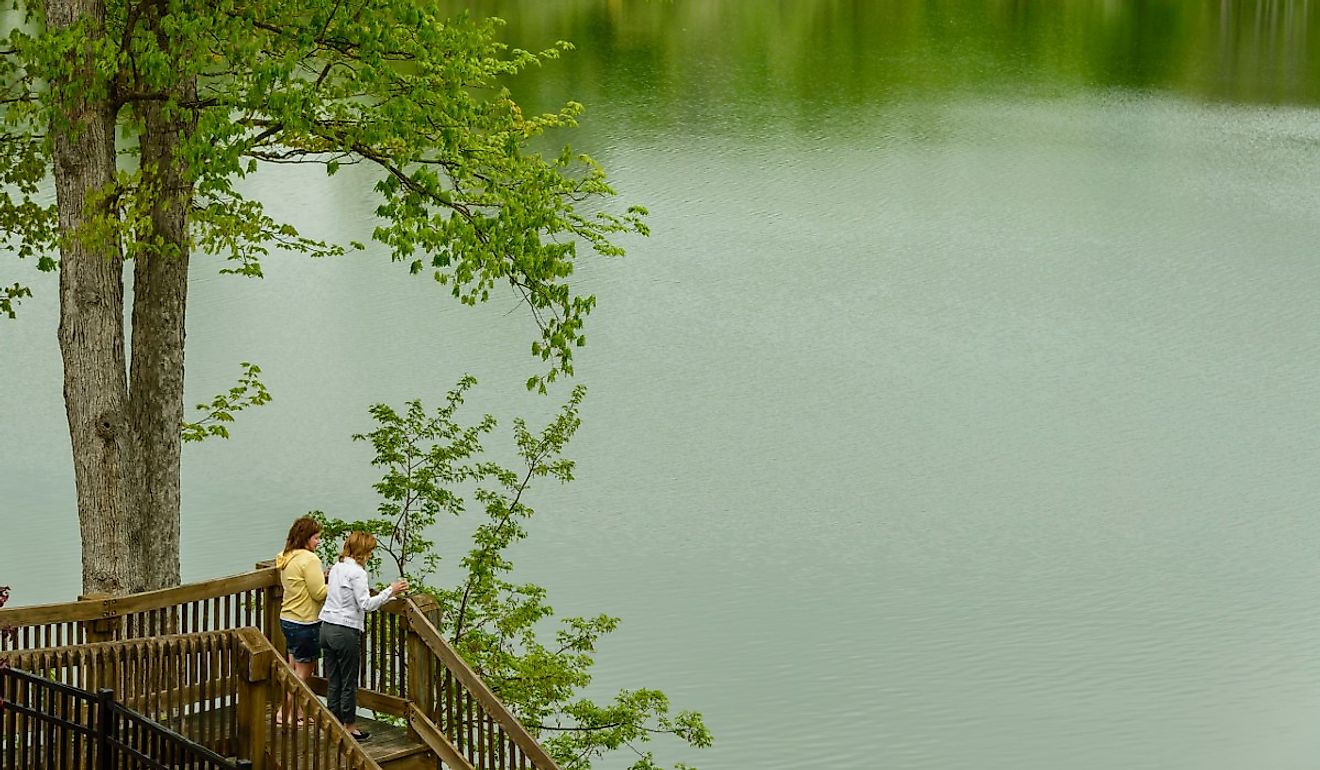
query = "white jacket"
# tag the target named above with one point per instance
(347, 599)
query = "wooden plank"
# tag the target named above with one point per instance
(419, 675)
(272, 599)
(474, 684)
(44, 614)
(42, 653)
(337, 735)
(41, 614)
(369, 699)
(389, 743)
(251, 738)
(435, 740)
(424, 760)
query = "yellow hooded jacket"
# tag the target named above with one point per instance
(304, 585)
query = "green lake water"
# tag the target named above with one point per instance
(961, 413)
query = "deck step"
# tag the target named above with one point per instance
(389, 745)
(392, 748)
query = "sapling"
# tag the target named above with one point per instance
(433, 464)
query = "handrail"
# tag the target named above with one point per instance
(408, 669)
(178, 682)
(291, 745)
(249, 598)
(81, 729)
(145, 741)
(31, 720)
(436, 741)
(98, 607)
(220, 689)
(475, 687)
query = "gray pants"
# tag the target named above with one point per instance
(342, 648)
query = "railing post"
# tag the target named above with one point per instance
(102, 629)
(105, 725)
(272, 598)
(421, 675)
(253, 695)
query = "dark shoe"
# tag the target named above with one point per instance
(361, 735)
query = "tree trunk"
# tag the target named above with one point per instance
(160, 292)
(124, 419)
(91, 306)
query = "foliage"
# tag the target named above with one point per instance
(150, 116)
(220, 410)
(385, 83)
(792, 66)
(11, 296)
(435, 465)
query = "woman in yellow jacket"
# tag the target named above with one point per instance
(304, 593)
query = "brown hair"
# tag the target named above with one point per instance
(302, 531)
(358, 546)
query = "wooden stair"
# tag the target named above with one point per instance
(208, 659)
(393, 749)
(390, 746)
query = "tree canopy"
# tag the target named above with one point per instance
(383, 82)
(148, 114)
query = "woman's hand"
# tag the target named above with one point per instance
(398, 586)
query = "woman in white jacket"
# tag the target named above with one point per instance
(347, 601)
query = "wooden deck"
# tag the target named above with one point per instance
(208, 660)
(389, 745)
(392, 749)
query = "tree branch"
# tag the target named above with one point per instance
(508, 514)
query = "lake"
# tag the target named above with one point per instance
(961, 412)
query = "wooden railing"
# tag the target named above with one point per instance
(46, 723)
(220, 689)
(250, 599)
(53, 726)
(128, 740)
(452, 710)
(319, 743)
(186, 683)
(384, 653)
(408, 670)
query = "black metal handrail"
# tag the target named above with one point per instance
(50, 725)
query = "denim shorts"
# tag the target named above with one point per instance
(302, 640)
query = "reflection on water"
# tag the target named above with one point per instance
(689, 60)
